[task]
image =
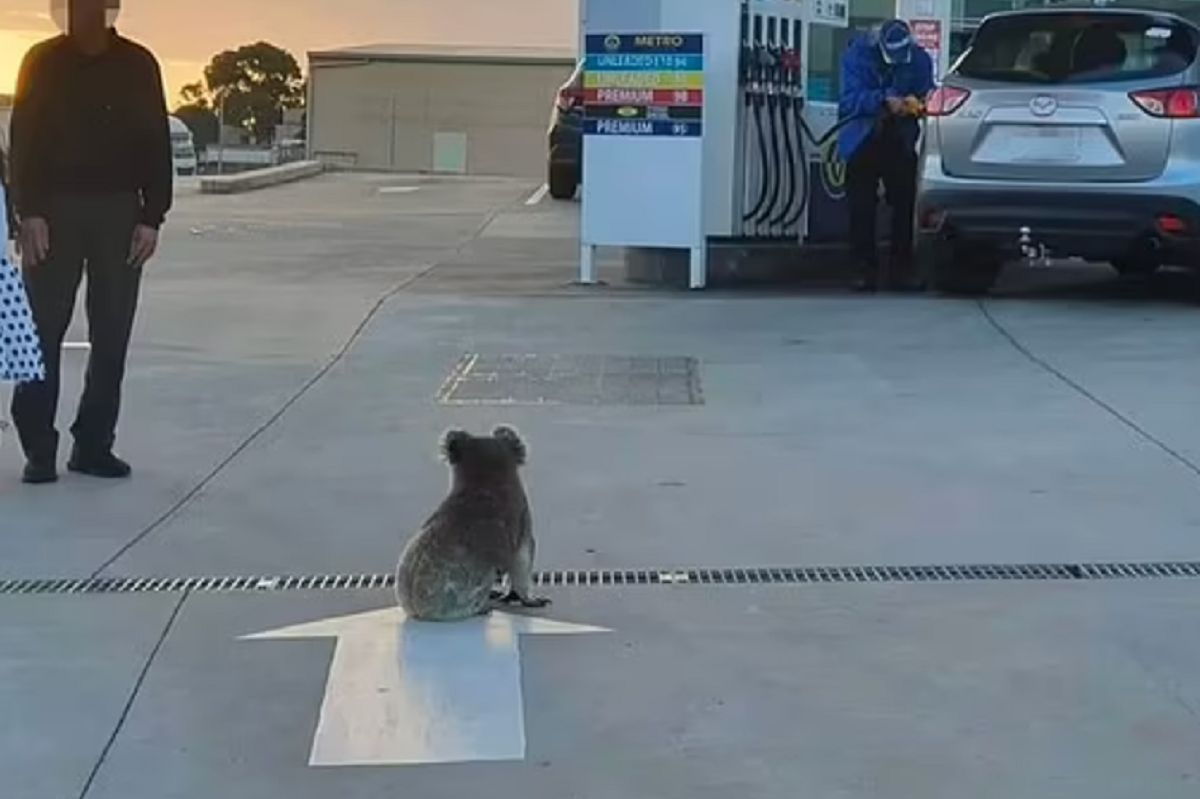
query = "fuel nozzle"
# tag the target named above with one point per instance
(790, 67)
(771, 56)
(769, 71)
(914, 107)
(749, 70)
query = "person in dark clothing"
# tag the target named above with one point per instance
(885, 78)
(92, 183)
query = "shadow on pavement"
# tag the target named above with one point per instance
(1099, 284)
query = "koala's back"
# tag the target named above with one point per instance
(448, 569)
(434, 584)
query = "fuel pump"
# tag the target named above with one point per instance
(791, 124)
(777, 140)
(771, 86)
(755, 70)
(791, 134)
(767, 126)
(783, 92)
(773, 102)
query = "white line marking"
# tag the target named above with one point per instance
(77, 345)
(403, 692)
(538, 195)
(398, 189)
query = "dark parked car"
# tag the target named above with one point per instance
(565, 167)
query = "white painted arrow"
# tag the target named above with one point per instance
(404, 692)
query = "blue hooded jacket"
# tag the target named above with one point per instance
(867, 81)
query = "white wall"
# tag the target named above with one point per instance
(394, 115)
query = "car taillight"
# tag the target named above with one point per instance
(945, 100)
(1171, 225)
(1169, 103)
(569, 97)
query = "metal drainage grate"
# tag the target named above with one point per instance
(572, 380)
(610, 577)
(874, 574)
(142, 585)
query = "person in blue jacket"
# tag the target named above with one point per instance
(886, 76)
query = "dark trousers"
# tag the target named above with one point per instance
(89, 234)
(882, 158)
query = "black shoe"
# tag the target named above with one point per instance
(40, 471)
(105, 464)
(866, 286)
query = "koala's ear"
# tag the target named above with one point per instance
(511, 439)
(453, 444)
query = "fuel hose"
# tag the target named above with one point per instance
(797, 150)
(805, 134)
(804, 189)
(763, 161)
(774, 104)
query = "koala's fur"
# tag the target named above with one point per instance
(481, 532)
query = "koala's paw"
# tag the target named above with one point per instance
(513, 598)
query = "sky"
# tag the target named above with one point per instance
(185, 35)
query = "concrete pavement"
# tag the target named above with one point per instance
(282, 414)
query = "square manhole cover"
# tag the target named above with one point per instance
(572, 380)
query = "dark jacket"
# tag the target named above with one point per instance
(867, 82)
(91, 125)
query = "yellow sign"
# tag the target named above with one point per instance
(833, 170)
(643, 80)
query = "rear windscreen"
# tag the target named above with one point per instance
(1078, 48)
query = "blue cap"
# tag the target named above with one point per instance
(895, 41)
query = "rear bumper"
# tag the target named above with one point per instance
(1092, 225)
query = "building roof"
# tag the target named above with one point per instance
(462, 53)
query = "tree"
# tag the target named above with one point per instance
(202, 122)
(194, 94)
(195, 110)
(254, 83)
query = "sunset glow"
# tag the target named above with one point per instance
(13, 44)
(186, 35)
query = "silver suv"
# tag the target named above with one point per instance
(1064, 133)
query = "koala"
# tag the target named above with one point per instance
(481, 533)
